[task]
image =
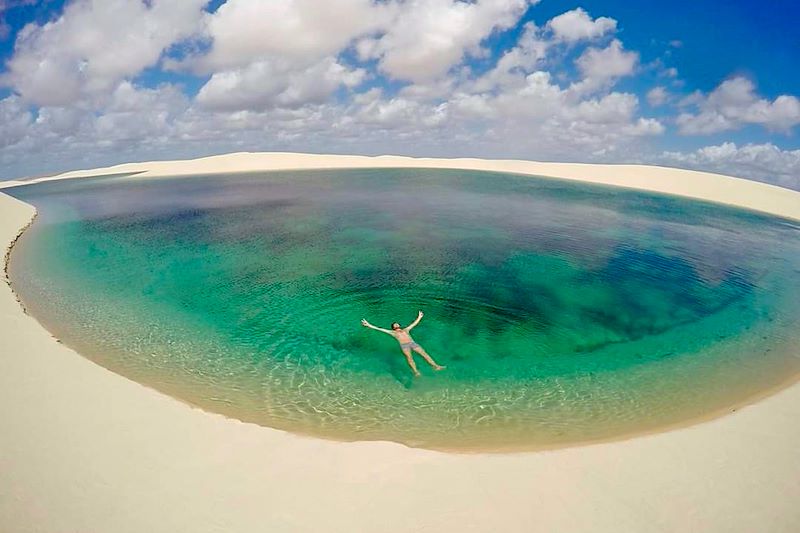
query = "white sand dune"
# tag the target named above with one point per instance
(85, 450)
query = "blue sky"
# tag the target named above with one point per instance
(719, 38)
(701, 84)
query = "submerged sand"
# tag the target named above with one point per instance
(83, 449)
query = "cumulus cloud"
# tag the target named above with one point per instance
(763, 162)
(246, 31)
(525, 57)
(657, 96)
(541, 117)
(428, 37)
(15, 118)
(734, 103)
(577, 25)
(259, 50)
(599, 67)
(670, 72)
(141, 115)
(263, 55)
(267, 84)
(94, 45)
(134, 121)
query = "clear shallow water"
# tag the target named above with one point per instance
(565, 312)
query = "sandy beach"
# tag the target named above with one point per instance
(83, 449)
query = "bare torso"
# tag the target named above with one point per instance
(402, 336)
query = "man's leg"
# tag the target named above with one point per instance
(420, 350)
(410, 361)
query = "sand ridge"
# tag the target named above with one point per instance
(743, 193)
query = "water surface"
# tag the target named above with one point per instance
(565, 312)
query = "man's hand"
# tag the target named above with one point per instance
(414, 324)
(364, 322)
(421, 314)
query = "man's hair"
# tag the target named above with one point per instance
(396, 324)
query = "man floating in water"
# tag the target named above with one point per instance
(407, 343)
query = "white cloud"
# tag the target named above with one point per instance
(733, 104)
(657, 96)
(539, 117)
(763, 162)
(428, 37)
(134, 122)
(132, 117)
(243, 32)
(610, 62)
(140, 115)
(15, 118)
(94, 45)
(577, 25)
(284, 52)
(612, 108)
(599, 67)
(416, 40)
(398, 114)
(268, 84)
(671, 72)
(535, 118)
(526, 56)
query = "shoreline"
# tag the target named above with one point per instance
(96, 442)
(7, 263)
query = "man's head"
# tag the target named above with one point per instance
(396, 326)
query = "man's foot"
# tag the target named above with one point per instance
(439, 367)
(417, 374)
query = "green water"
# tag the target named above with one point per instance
(564, 312)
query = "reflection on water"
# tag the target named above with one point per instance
(565, 312)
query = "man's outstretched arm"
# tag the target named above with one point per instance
(419, 317)
(376, 328)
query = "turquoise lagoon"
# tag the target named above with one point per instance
(565, 312)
